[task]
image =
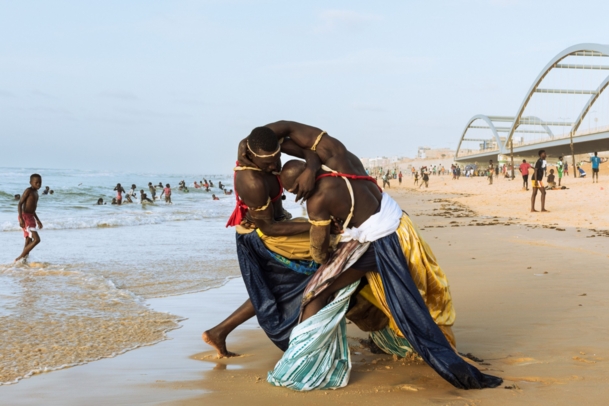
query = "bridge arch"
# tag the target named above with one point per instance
(491, 125)
(575, 50)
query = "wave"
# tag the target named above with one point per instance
(71, 223)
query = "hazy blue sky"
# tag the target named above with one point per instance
(171, 86)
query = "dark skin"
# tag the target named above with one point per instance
(541, 190)
(331, 152)
(330, 199)
(255, 188)
(28, 204)
(297, 141)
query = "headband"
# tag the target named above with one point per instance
(263, 156)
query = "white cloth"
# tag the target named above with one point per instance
(379, 225)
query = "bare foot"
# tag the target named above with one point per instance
(547, 211)
(533, 210)
(219, 344)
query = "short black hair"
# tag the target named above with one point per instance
(524, 160)
(35, 175)
(262, 139)
(541, 151)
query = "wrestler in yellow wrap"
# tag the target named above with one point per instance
(353, 202)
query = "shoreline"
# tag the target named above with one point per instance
(529, 301)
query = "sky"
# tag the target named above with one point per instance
(172, 86)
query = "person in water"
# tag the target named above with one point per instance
(167, 192)
(228, 192)
(51, 191)
(152, 190)
(100, 201)
(160, 185)
(144, 197)
(46, 190)
(133, 191)
(28, 219)
(119, 193)
(197, 186)
(211, 184)
(17, 196)
(214, 197)
(220, 185)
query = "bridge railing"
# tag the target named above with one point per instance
(536, 140)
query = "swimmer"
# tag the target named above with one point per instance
(17, 196)
(114, 200)
(119, 193)
(51, 191)
(211, 184)
(214, 197)
(144, 197)
(160, 185)
(167, 192)
(28, 219)
(228, 192)
(132, 192)
(197, 186)
(46, 190)
(152, 191)
(100, 201)
(220, 185)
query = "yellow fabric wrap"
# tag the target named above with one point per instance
(292, 247)
(427, 276)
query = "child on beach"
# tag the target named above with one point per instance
(144, 198)
(167, 193)
(28, 219)
(152, 191)
(119, 193)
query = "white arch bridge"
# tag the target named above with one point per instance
(565, 112)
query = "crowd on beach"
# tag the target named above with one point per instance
(131, 195)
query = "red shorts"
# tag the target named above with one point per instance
(30, 224)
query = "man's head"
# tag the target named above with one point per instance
(560, 158)
(290, 172)
(167, 185)
(596, 154)
(263, 149)
(490, 161)
(542, 153)
(149, 183)
(36, 181)
(524, 161)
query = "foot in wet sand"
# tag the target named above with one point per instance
(219, 343)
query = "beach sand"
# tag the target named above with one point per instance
(530, 291)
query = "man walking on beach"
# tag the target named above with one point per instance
(524, 170)
(386, 180)
(596, 164)
(559, 168)
(491, 171)
(28, 219)
(537, 182)
(400, 177)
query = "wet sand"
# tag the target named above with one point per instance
(531, 302)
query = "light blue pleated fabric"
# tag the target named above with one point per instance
(388, 341)
(318, 356)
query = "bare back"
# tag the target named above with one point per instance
(331, 198)
(331, 151)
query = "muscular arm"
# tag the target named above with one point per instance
(254, 194)
(320, 233)
(305, 183)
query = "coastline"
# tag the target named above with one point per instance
(529, 302)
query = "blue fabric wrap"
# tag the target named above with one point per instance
(274, 289)
(413, 319)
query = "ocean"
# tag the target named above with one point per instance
(82, 294)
